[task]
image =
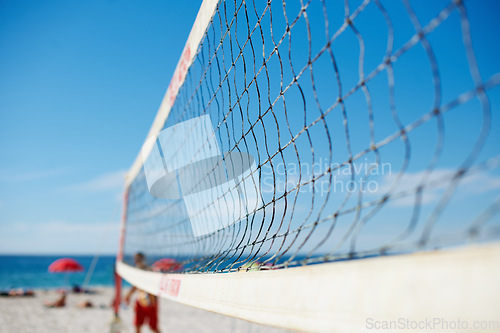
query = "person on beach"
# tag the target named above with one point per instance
(18, 292)
(58, 303)
(146, 305)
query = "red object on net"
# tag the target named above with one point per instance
(167, 265)
(65, 265)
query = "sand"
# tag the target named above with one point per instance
(27, 314)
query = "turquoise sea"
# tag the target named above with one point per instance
(31, 271)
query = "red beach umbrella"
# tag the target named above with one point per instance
(65, 265)
(167, 264)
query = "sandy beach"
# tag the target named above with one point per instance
(27, 314)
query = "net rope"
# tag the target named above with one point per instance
(329, 96)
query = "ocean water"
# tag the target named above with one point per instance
(24, 271)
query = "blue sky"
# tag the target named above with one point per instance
(80, 83)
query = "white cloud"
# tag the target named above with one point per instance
(73, 228)
(476, 183)
(481, 182)
(108, 181)
(59, 237)
(8, 176)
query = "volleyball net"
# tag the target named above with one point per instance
(304, 132)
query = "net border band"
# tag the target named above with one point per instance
(419, 287)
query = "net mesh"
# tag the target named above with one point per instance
(371, 126)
